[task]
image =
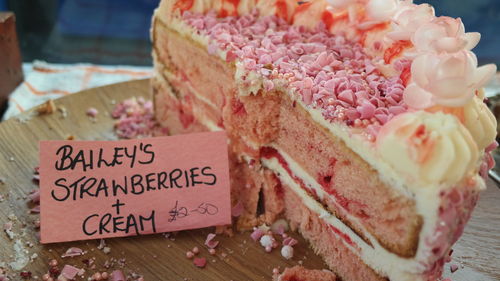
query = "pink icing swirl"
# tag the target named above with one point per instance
(408, 19)
(444, 34)
(448, 79)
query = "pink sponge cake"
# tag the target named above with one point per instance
(360, 121)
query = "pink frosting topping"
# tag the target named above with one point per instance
(444, 34)
(448, 79)
(329, 72)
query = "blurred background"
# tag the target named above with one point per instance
(117, 31)
(95, 31)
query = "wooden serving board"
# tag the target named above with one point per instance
(155, 256)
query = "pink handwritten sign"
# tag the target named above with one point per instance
(99, 189)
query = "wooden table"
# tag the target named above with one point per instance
(159, 258)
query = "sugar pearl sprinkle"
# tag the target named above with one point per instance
(327, 71)
(287, 252)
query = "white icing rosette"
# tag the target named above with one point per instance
(480, 122)
(428, 148)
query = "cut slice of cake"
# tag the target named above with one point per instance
(361, 122)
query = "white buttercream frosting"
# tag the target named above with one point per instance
(480, 122)
(428, 147)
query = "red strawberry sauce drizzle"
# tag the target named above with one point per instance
(184, 5)
(328, 72)
(342, 235)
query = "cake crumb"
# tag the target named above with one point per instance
(287, 252)
(73, 252)
(106, 250)
(47, 107)
(92, 112)
(63, 111)
(200, 262)
(209, 242)
(135, 119)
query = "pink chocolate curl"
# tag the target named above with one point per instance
(69, 272)
(117, 275)
(209, 242)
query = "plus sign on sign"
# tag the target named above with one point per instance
(100, 189)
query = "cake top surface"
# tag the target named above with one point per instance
(328, 71)
(362, 63)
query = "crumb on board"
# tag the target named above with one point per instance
(92, 112)
(47, 107)
(135, 119)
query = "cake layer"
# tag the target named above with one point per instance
(349, 187)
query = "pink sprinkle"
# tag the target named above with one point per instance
(189, 254)
(491, 147)
(231, 56)
(35, 196)
(117, 275)
(453, 268)
(211, 251)
(237, 210)
(328, 71)
(366, 110)
(7, 226)
(136, 119)
(209, 242)
(69, 272)
(289, 241)
(268, 85)
(73, 252)
(196, 250)
(200, 262)
(257, 234)
(92, 112)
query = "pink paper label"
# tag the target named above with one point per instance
(99, 189)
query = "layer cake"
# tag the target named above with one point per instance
(362, 122)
